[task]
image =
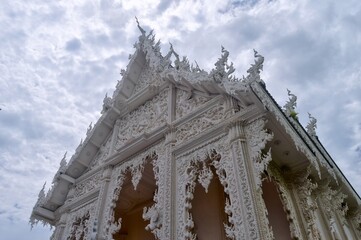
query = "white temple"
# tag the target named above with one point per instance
(181, 153)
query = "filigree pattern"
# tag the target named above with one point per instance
(147, 77)
(305, 187)
(288, 204)
(144, 119)
(112, 225)
(257, 138)
(187, 103)
(80, 222)
(200, 123)
(218, 155)
(86, 186)
(103, 153)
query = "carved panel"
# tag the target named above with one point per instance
(308, 206)
(102, 152)
(146, 76)
(80, 223)
(144, 119)
(201, 123)
(245, 187)
(87, 186)
(186, 102)
(257, 138)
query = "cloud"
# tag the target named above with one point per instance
(73, 45)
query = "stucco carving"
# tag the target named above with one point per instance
(80, 222)
(102, 154)
(257, 137)
(238, 160)
(290, 106)
(286, 199)
(187, 103)
(297, 140)
(135, 166)
(144, 119)
(311, 126)
(147, 77)
(305, 187)
(200, 123)
(86, 186)
(190, 168)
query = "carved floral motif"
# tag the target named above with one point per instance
(257, 138)
(189, 170)
(86, 186)
(305, 187)
(102, 153)
(201, 123)
(145, 118)
(80, 223)
(286, 199)
(187, 103)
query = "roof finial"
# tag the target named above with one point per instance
(290, 106)
(140, 28)
(255, 69)
(311, 126)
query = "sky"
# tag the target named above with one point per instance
(58, 59)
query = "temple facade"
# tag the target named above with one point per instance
(181, 153)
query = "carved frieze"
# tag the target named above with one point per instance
(146, 118)
(147, 77)
(186, 102)
(103, 153)
(87, 185)
(200, 123)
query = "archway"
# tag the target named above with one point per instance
(277, 216)
(208, 210)
(131, 202)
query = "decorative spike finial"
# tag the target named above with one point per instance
(255, 69)
(89, 128)
(140, 28)
(63, 160)
(311, 126)
(222, 70)
(290, 106)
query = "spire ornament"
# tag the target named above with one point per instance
(255, 69)
(140, 28)
(222, 71)
(107, 103)
(290, 106)
(311, 126)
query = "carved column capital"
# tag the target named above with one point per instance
(236, 131)
(170, 136)
(107, 172)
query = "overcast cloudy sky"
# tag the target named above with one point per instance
(59, 58)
